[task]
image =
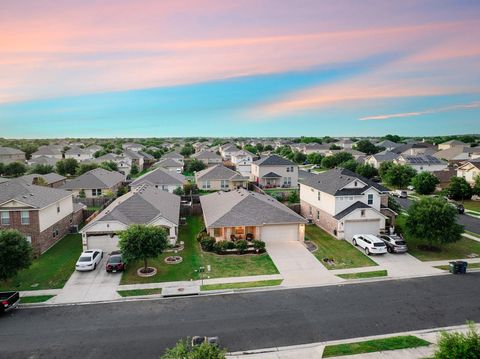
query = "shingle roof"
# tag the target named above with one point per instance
(49, 178)
(48, 150)
(132, 154)
(160, 176)
(96, 178)
(172, 155)
(271, 175)
(143, 206)
(43, 160)
(168, 162)
(218, 172)
(333, 181)
(35, 196)
(76, 150)
(385, 156)
(348, 210)
(388, 144)
(206, 155)
(274, 160)
(422, 159)
(245, 208)
(10, 151)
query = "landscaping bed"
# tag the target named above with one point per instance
(51, 270)
(376, 345)
(261, 283)
(194, 258)
(334, 253)
(363, 275)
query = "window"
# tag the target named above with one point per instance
(355, 183)
(318, 214)
(318, 195)
(370, 199)
(25, 217)
(58, 208)
(97, 192)
(5, 219)
(287, 181)
(310, 210)
(29, 239)
(350, 198)
(362, 213)
(206, 184)
(217, 232)
(224, 184)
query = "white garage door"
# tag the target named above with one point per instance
(104, 242)
(361, 227)
(277, 233)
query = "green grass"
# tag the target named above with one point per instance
(377, 345)
(139, 292)
(194, 258)
(470, 266)
(51, 270)
(342, 252)
(378, 273)
(260, 283)
(472, 205)
(35, 299)
(277, 190)
(473, 234)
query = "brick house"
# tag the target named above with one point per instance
(43, 214)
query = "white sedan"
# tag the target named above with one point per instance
(89, 260)
(370, 243)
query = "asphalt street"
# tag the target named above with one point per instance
(143, 329)
(470, 223)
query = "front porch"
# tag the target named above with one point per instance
(248, 233)
(270, 180)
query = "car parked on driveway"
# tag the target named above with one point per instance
(9, 301)
(395, 244)
(115, 262)
(89, 260)
(400, 193)
(371, 244)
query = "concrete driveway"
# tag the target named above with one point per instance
(91, 286)
(297, 265)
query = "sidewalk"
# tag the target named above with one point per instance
(471, 237)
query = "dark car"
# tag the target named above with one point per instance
(395, 244)
(9, 301)
(115, 263)
(196, 340)
(460, 208)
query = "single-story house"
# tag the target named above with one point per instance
(208, 157)
(469, 170)
(243, 214)
(9, 155)
(160, 178)
(218, 178)
(170, 165)
(95, 183)
(145, 205)
(422, 163)
(52, 180)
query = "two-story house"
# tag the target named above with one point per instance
(344, 203)
(43, 214)
(274, 171)
(422, 163)
(174, 156)
(470, 170)
(209, 158)
(218, 178)
(242, 160)
(160, 178)
(78, 153)
(227, 150)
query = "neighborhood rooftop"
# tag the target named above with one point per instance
(274, 160)
(96, 178)
(31, 195)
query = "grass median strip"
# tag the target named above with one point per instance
(473, 234)
(261, 283)
(340, 253)
(362, 275)
(376, 345)
(470, 266)
(35, 299)
(139, 292)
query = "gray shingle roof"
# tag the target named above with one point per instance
(204, 155)
(160, 176)
(271, 175)
(143, 206)
(35, 196)
(245, 208)
(385, 156)
(51, 150)
(76, 151)
(96, 178)
(348, 210)
(388, 144)
(422, 160)
(218, 172)
(43, 160)
(10, 151)
(172, 155)
(333, 181)
(168, 162)
(49, 178)
(274, 160)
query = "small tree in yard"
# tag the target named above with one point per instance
(140, 242)
(15, 253)
(178, 191)
(185, 350)
(366, 170)
(459, 345)
(398, 176)
(459, 189)
(476, 186)
(425, 183)
(134, 170)
(434, 221)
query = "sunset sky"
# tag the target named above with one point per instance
(84, 68)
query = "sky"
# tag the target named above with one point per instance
(145, 68)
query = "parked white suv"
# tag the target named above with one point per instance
(370, 243)
(89, 260)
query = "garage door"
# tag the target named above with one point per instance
(361, 227)
(103, 242)
(284, 232)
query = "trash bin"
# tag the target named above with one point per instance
(463, 267)
(458, 267)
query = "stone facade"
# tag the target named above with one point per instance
(319, 217)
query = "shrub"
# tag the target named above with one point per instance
(202, 235)
(259, 245)
(459, 345)
(207, 243)
(221, 246)
(241, 245)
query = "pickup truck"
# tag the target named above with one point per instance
(8, 301)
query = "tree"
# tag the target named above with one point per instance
(134, 170)
(15, 169)
(140, 242)
(336, 159)
(248, 147)
(15, 253)
(109, 166)
(293, 197)
(85, 167)
(194, 166)
(434, 221)
(476, 186)
(459, 189)
(29, 148)
(399, 176)
(393, 138)
(41, 169)
(268, 148)
(121, 191)
(39, 181)
(367, 147)
(185, 350)
(459, 345)
(187, 150)
(334, 147)
(425, 182)
(314, 158)
(178, 191)
(384, 167)
(259, 146)
(99, 153)
(2, 168)
(67, 167)
(366, 170)
(82, 194)
(393, 205)
(349, 165)
(328, 162)
(299, 157)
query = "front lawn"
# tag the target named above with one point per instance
(472, 205)
(139, 292)
(260, 283)
(35, 299)
(363, 275)
(376, 345)
(51, 270)
(343, 254)
(470, 266)
(194, 258)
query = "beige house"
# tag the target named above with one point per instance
(209, 158)
(274, 171)
(243, 214)
(451, 144)
(95, 183)
(9, 155)
(469, 170)
(218, 178)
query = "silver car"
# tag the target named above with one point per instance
(395, 244)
